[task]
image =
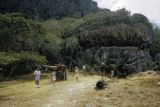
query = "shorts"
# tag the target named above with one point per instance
(37, 78)
(54, 79)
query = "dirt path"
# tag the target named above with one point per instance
(65, 94)
(71, 95)
(139, 90)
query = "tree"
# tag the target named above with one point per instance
(18, 33)
(14, 63)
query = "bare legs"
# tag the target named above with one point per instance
(77, 79)
(37, 83)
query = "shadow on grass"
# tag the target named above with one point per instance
(2, 86)
(4, 98)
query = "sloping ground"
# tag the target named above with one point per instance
(140, 90)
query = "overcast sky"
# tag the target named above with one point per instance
(150, 8)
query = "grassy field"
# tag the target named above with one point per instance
(140, 90)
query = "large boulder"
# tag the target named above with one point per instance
(137, 59)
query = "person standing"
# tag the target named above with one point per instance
(84, 70)
(76, 73)
(102, 69)
(65, 72)
(53, 74)
(112, 73)
(37, 74)
(72, 69)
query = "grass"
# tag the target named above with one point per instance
(21, 92)
(135, 91)
(139, 90)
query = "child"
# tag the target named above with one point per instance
(37, 74)
(76, 73)
(53, 74)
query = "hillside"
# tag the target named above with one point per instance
(102, 36)
(110, 37)
(45, 9)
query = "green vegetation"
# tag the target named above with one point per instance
(18, 33)
(155, 49)
(45, 9)
(13, 63)
(12, 57)
(34, 33)
(73, 37)
(17, 36)
(72, 40)
(107, 29)
(115, 29)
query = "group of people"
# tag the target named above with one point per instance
(37, 74)
(74, 70)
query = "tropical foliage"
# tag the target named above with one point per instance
(14, 63)
(26, 42)
(17, 36)
(18, 33)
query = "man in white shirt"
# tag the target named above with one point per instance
(37, 74)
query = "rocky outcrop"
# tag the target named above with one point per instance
(43, 9)
(138, 59)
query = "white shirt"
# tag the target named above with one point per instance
(54, 75)
(37, 73)
(84, 67)
(76, 72)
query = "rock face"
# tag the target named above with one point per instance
(43, 9)
(138, 59)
